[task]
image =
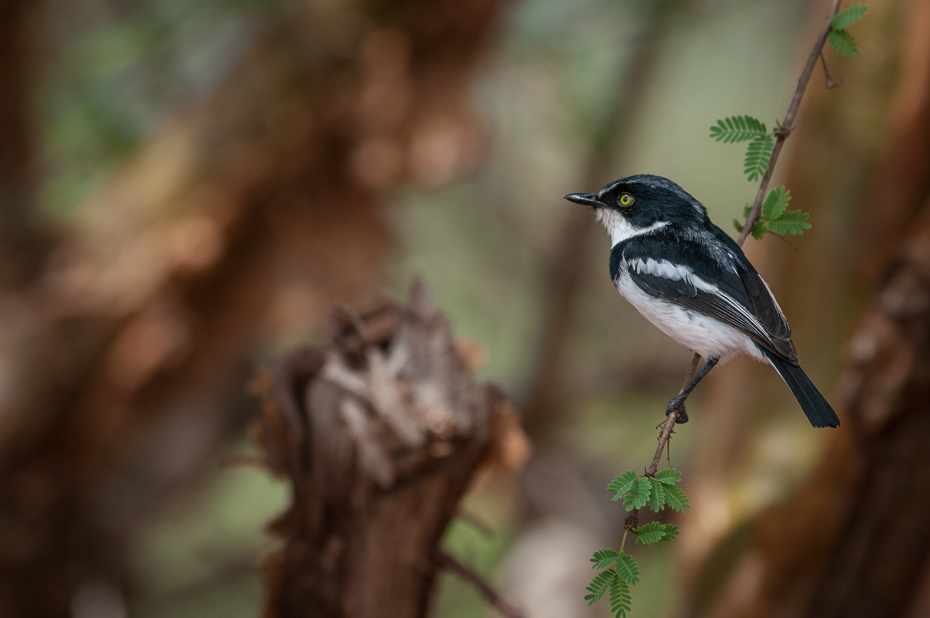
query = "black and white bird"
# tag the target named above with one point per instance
(692, 281)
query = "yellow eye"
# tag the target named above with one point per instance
(626, 199)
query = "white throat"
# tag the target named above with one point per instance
(619, 228)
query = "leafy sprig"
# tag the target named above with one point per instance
(618, 570)
(840, 40)
(736, 129)
(775, 217)
(658, 491)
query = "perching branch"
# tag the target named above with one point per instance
(784, 130)
(669, 424)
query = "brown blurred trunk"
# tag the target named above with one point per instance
(23, 244)
(379, 438)
(854, 540)
(236, 228)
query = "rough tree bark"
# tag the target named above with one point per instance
(379, 438)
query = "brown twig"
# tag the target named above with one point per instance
(485, 589)
(784, 130)
(829, 82)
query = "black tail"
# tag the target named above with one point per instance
(818, 411)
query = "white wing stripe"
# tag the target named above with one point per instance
(680, 272)
(675, 272)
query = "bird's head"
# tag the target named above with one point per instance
(637, 203)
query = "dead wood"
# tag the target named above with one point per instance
(379, 436)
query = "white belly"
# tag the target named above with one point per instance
(699, 333)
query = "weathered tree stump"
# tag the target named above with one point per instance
(379, 437)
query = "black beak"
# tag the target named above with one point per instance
(588, 199)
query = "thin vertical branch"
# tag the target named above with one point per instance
(784, 128)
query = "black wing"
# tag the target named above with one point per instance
(710, 275)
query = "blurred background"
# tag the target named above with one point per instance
(188, 189)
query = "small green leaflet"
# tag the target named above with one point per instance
(758, 155)
(627, 568)
(620, 599)
(844, 19)
(669, 476)
(793, 222)
(603, 558)
(671, 533)
(599, 586)
(638, 494)
(676, 498)
(775, 203)
(737, 129)
(843, 42)
(621, 484)
(656, 496)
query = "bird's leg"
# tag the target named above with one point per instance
(678, 403)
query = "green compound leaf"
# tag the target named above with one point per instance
(621, 484)
(843, 43)
(669, 476)
(844, 19)
(599, 586)
(654, 532)
(627, 569)
(620, 599)
(737, 129)
(775, 204)
(758, 230)
(650, 533)
(676, 498)
(638, 494)
(793, 222)
(758, 155)
(603, 558)
(656, 496)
